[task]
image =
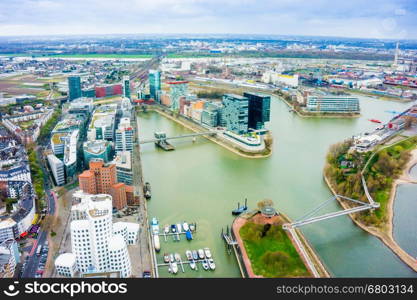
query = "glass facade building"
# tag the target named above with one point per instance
(155, 84)
(178, 89)
(126, 87)
(333, 104)
(259, 110)
(74, 87)
(235, 113)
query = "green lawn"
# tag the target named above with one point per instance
(273, 255)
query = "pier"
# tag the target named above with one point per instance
(161, 136)
(231, 243)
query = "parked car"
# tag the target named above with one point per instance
(147, 274)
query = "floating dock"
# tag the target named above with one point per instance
(164, 145)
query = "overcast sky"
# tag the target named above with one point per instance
(347, 18)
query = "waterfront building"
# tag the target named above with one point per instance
(155, 84)
(74, 87)
(57, 169)
(94, 242)
(126, 87)
(124, 135)
(101, 178)
(96, 149)
(235, 113)
(128, 230)
(333, 104)
(210, 115)
(178, 89)
(259, 110)
(123, 162)
(66, 264)
(118, 193)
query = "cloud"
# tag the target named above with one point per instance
(354, 18)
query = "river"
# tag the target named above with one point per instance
(203, 182)
(405, 215)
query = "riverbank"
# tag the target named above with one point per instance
(385, 236)
(379, 97)
(222, 143)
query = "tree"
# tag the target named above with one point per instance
(265, 203)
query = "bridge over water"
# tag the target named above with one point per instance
(161, 136)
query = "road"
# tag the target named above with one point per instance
(33, 261)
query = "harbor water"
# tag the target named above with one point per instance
(202, 182)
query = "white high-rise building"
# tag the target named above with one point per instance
(95, 244)
(124, 135)
(57, 168)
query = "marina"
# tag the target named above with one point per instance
(206, 167)
(207, 262)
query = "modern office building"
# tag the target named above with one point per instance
(235, 113)
(123, 162)
(118, 193)
(155, 84)
(124, 135)
(95, 245)
(333, 104)
(210, 115)
(90, 93)
(258, 110)
(74, 87)
(178, 89)
(126, 87)
(57, 169)
(102, 123)
(101, 178)
(126, 108)
(96, 149)
(70, 155)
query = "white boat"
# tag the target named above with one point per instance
(177, 257)
(205, 265)
(179, 229)
(154, 226)
(166, 258)
(211, 263)
(192, 265)
(207, 252)
(185, 226)
(201, 253)
(189, 254)
(166, 229)
(156, 243)
(195, 254)
(192, 227)
(174, 268)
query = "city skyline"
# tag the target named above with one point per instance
(382, 19)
